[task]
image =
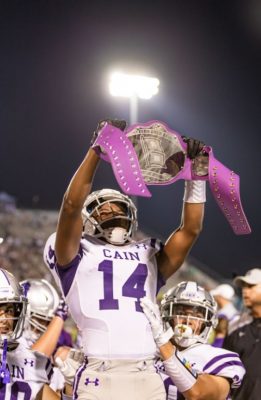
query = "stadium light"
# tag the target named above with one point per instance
(134, 87)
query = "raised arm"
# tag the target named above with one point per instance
(69, 229)
(47, 342)
(180, 242)
(182, 239)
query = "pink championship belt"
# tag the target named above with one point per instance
(153, 154)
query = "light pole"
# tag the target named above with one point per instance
(134, 87)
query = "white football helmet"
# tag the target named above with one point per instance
(12, 307)
(43, 301)
(117, 226)
(191, 311)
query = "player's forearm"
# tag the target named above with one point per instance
(166, 350)
(189, 383)
(192, 219)
(208, 387)
(81, 183)
(47, 342)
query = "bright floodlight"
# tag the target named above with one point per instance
(124, 85)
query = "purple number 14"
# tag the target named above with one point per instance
(133, 287)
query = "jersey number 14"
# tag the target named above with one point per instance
(133, 287)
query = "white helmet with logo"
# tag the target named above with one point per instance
(43, 301)
(13, 307)
(117, 226)
(186, 303)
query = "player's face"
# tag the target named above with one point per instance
(6, 318)
(187, 315)
(106, 214)
(251, 295)
(108, 211)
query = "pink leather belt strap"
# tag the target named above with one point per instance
(114, 146)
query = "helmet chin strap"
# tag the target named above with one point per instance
(116, 235)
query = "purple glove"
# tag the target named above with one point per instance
(62, 310)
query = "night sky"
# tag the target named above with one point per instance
(56, 57)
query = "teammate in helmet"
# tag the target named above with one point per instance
(13, 305)
(191, 312)
(23, 371)
(191, 368)
(103, 272)
(44, 305)
(43, 301)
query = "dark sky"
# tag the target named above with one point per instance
(55, 61)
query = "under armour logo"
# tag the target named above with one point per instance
(141, 245)
(30, 362)
(51, 255)
(95, 382)
(159, 368)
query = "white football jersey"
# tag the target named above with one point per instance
(29, 371)
(203, 358)
(102, 287)
(57, 379)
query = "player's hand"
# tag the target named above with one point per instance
(151, 310)
(194, 146)
(62, 310)
(70, 364)
(118, 123)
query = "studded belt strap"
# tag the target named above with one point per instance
(115, 147)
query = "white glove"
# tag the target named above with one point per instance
(152, 312)
(69, 366)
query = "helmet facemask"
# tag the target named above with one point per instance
(190, 310)
(110, 215)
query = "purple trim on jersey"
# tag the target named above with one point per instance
(78, 378)
(49, 367)
(153, 243)
(218, 342)
(65, 339)
(222, 316)
(67, 272)
(217, 358)
(226, 364)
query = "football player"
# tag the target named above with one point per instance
(43, 300)
(23, 371)
(191, 368)
(44, 305)
(103, 273)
